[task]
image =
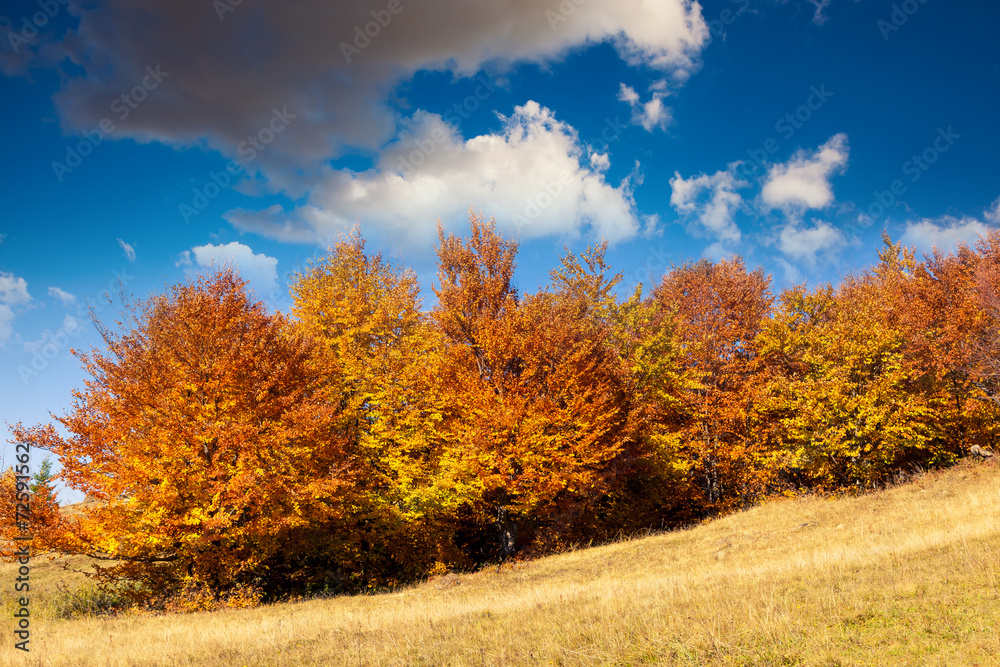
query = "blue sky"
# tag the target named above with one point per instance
(147, 140)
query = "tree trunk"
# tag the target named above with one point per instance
(508, 532)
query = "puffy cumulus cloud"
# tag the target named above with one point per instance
(803, 244)
(65, 297)
(600, 161)
(225, 71)
(534, 176)
(712, 201)
(13, 290)
(628, 94)
(259, 269)
(652, 114)
(804, 181)
(944, 233)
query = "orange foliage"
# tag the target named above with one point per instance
(207, 435)
(721, 309)
(365, 442)
(25, 512)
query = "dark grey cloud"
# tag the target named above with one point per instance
(221, 73)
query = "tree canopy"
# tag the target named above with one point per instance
(362, 441)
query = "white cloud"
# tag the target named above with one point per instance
(944, 233)
(6, 323)
(715, 213)
(259, 269)
(534, 176)
(628, 94)
(993, 213)
(129, 250)
(793, 274)
(819, 18)
(600, 161)
(51, 344)
(717, 252)
(70, 323)
(804, 181)
(13, 290)
(652, 114)
(804, 244)
(65, 297)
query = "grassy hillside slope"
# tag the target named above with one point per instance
(906, 576)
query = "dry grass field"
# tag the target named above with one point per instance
(906, 576)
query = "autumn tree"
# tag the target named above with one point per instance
(575, 429)
(478, 368)
(720, 308)
(938, 312)
(633, 382)
(362, 441)
(544, 418)
(951, 312)
(853, 401)
(28, 506)
(364, 315)
(207, 435)
(983, 336)
(943, 309)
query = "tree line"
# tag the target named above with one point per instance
(362, 442)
